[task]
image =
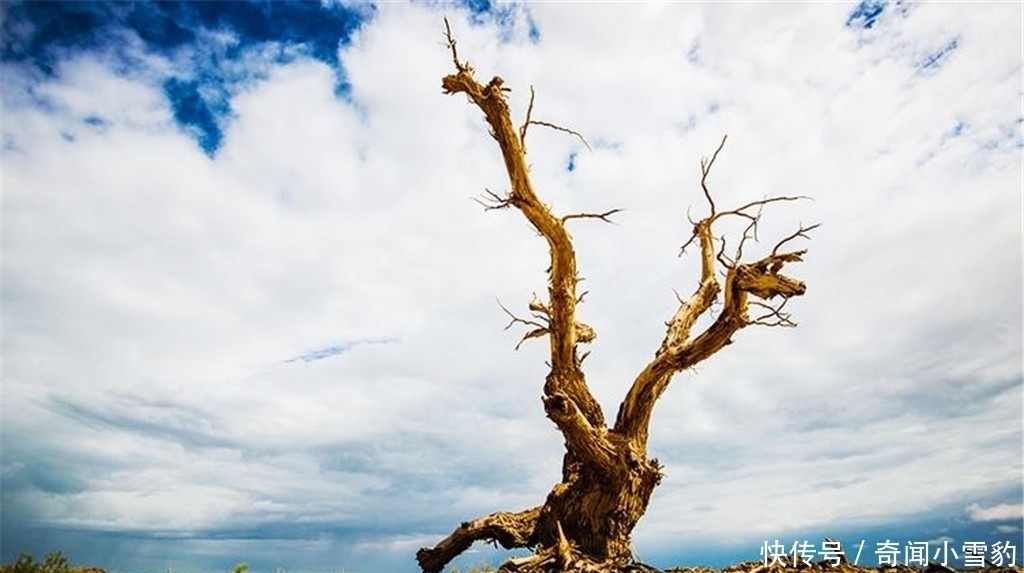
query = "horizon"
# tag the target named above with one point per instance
(250, 309)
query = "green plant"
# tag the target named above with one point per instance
(241, 567)
(55, 562)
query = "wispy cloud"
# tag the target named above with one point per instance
(329, 351)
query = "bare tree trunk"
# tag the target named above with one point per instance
(587, 520)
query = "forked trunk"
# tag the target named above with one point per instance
(587, 521)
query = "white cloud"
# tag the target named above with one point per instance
(1000, 512)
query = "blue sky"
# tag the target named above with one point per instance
(249, 305)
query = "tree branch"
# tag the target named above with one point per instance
(801, 232)
(562, 277)
(741, 211)
(774, 316)
(530, 121)
(511, 530)
(526, 122)
(539, 329)
(678, 350)
(492, 201)
(451, 46)
(603, 216)
(705, 170)
(560, 128)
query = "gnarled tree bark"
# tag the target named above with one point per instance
(586, 522)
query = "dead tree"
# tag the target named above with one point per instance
(585, 524)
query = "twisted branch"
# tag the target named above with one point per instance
(679, 351)
(563, 330)
(510, 530)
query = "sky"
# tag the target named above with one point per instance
(250, 308)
